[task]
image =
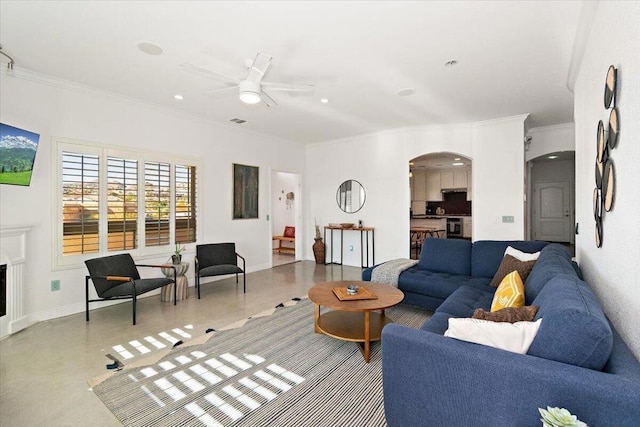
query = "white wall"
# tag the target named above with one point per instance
(613, 270)
(380, 161)
(498, 179)
(54, 108)
(550, 139)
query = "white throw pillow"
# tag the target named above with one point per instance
(521, 256)
(515, 337)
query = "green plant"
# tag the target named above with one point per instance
(559, 417)
(178, 250)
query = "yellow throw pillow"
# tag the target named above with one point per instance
(510, 293)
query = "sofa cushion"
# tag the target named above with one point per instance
(508, 314)
(438, 323)
(574, 328)
(510, 293)
(515, 337)
(486, 255)
(438, 285)
(510, 264)
(464, 301)
(446, 256)
(554, 259)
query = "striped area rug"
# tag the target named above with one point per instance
(272, 371)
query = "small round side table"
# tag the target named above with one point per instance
(183, 283)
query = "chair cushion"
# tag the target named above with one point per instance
(216, 254)
(113, 265)
(217, 270)
(142, 286)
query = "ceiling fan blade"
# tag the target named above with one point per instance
(267, 99)
(288, 87)
(207, 73)
(222, 91)
(259, 67)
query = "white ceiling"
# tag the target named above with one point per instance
(514, 58)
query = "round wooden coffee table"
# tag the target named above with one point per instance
(360, 321)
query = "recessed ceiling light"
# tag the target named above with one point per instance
(451, 63)
(457, 164)
(552, 157)
(457, 159)
(406, 92)
(150, 48)
(178, 97)
(324, 100)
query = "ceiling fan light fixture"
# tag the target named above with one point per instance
(249, 92)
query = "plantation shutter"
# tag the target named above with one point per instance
(157, 189)
(185, 202)
(122, 202)
(80, 204)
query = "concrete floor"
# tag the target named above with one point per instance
(44, 369)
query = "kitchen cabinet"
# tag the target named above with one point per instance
(419, 186)
(460, 179)
(434, 187)
(446, 179)
(466, 227)
(469, 186)
(453, 179)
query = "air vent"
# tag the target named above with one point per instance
(238, 121)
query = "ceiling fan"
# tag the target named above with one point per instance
(251, 89)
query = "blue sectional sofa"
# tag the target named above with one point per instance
(577, 360)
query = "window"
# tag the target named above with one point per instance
(115, 200)
(157, 187)
(122, 204)
(80, 203)
(185, 186)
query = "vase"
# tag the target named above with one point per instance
(318, 250)
(176, 259)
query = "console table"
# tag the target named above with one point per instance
(364, 244)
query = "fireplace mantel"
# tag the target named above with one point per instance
(13, 252)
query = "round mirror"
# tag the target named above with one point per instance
(610, 86)
(613, 128)
(350, 196)
(608, 185)
(599, 172)
(602, 143)
(597, 204)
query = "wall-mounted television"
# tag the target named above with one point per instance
(17, 154)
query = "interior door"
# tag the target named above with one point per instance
(552, 211)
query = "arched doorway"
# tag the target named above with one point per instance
(441, 198)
